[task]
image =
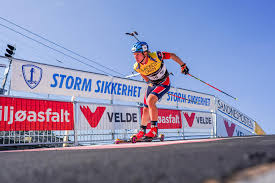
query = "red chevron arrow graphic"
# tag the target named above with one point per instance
(190, 119)
(93, 118)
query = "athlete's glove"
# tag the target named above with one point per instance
(184, 69)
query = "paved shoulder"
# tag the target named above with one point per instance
(188, 162)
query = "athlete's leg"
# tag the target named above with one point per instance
(153, 110)
(152, 99)
(146, 109)
(145, 119)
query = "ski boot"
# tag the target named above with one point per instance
(137, 136)
(152, 134)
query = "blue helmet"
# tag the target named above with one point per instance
(140, 47)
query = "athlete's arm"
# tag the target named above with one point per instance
(145, 78)
(184, 68)
(174, 57)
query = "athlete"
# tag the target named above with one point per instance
(151, 67)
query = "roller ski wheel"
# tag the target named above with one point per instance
(133, 139)
(161, 137)
(117, 141)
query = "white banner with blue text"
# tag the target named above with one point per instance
(189, 99)
(227, 127)
(240, 118)
(40, 78)
(47, 79)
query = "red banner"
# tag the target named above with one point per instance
(18, 114)
(167, 119)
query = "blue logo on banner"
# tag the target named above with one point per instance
(32, 75)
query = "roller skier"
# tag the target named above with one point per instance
(151, 67)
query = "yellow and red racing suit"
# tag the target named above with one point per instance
(157, 74)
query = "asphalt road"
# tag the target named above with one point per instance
(184, 162)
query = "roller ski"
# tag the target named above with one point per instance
(152, 135)
(135, 137)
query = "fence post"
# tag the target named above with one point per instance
(75, 106)
(177, 99)
(66, 135)
(112, 95)
(139, 112)
(215, 119)
(7, 70)
(181, 113)
(9, 89)
(112, 102)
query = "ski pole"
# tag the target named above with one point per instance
(213, 87)
(134, 34)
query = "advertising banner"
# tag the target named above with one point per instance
(47, 79)
(235, 114)
(200, 120)
(18, 114)
(41, 78)
(228, 128)
(188, 99)
(167, 119)
(106, 117)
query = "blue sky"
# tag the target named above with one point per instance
(228, 43)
